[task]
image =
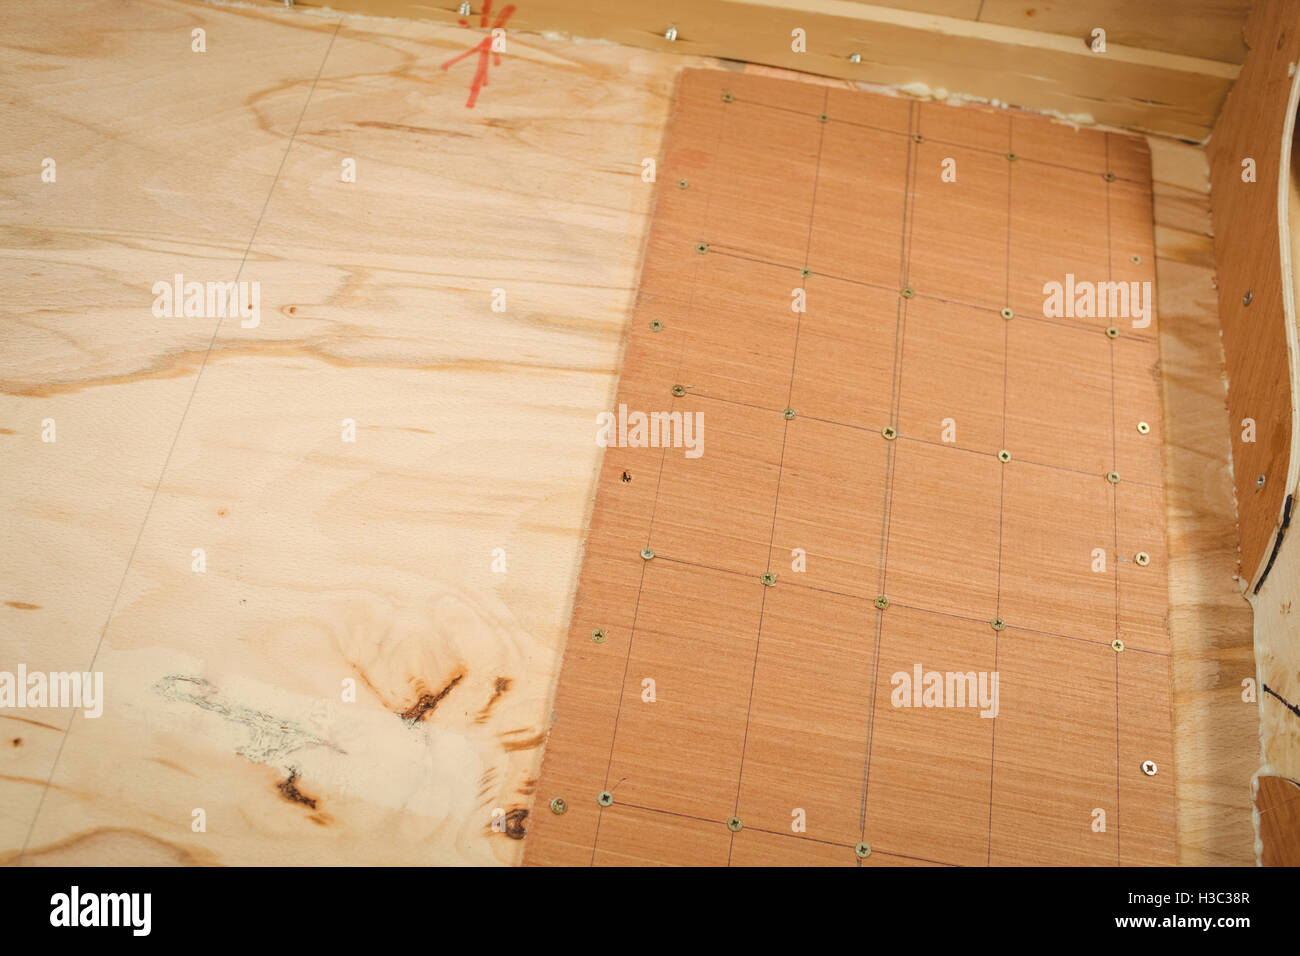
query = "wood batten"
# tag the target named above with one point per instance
(1153, 88)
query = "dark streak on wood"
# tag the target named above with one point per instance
(427, 702)
(289, 789)
(499, 689)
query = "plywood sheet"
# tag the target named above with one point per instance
(1249, 155)
(754, 606)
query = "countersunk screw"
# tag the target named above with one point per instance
(465, 10)
(1142, 558)
(882, 602)
(647, 553)
(822, 118)
(1143, 428)
(734, 825)
(1004, 456)
(1135, 259)
(679, 390)
(1011, 156)
(1117, 645)
(998, 624)
(805, 272)
(598, 636)
(789, 413)
(855, 58)
(1112, 477)
(655, 325)
(1007, 313)
(727, 97)
(558, 805)
(670, 34)
(1259, 482)
(604, 798)
(863, 850)
(908, 292)
(768, 578)
(701, 247)
(890, 432)
(1108, 176)
(1112, 332)
(1149, 767)
(682, 184)
(918, 138)
(1246, 299)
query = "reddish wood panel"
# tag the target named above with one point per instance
(1247, 254)
(848, 632)
(1277, 800)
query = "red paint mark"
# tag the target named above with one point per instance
(484, 51)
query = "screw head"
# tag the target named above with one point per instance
(735, 825)
(558, 805)
(788, 414)
(1135, 258)
(768, 578)
(1149, 768)
(855, 58)
(1143, 428)
(1112, 477)
(682, 184)
(647, 553)
(1142, 558)
(670, 34)
(908, 292)
(863, 850)
(1004, 456)
(679, 390)
(822, 118)
(805, 272)
(727, 97)
(1108, 176)
(1259, 482)
(1112, 332)
(918, 138)
(1246, 299)
(882, 602)
(1117, 645)
(1007, 313)
(701, 247)
(1011, 156)
(655, 325)
(604, 798)
(464, 10)
(998, 624)
(890, 432)
(598, 636)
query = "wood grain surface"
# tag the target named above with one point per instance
(741, 636)
(1258, 320)
(1036, 57)
(328, 560)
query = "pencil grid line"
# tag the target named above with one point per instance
(900, 324)
(654, 504)
(776, 501)
(1002, 485)
(923, 296)
(942, 612)
(1114, 496)
(171, 448)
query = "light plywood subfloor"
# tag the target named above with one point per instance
(373, 560)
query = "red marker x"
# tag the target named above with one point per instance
(484, 50)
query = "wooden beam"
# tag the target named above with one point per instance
(1255, 291)
(1143, 89)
